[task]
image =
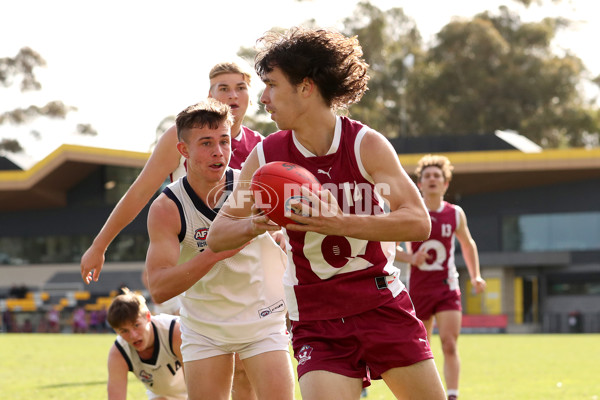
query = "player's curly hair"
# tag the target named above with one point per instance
(434, 160)
(126, 307)
(333, 61)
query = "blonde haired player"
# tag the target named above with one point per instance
(230, 83)
(433, 279)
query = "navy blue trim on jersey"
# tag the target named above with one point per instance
(228, 183)
(152, 360)
(171, 332)
(125, 356)
(172, 196)
(208, 212)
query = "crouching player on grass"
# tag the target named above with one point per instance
(147, 345)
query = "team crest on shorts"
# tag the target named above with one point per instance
(304, 354)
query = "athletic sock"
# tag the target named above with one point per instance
(452, 394)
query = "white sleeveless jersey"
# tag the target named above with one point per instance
(241, 299)
(170, 306)
(162, 374)
(179, 171)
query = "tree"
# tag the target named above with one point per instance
(21, 68)
(391, 42)
(490, 72)
(496, 72)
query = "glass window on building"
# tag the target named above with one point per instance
(68, 249)
(551, 232)
(574, 284)
(116, 182)
(127, 247)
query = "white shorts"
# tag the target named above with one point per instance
(195, 346)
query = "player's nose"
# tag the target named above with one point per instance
(264, 97)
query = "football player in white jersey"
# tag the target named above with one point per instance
(233, 301)
(148, 346)
(230, 84)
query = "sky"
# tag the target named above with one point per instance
(126, 65)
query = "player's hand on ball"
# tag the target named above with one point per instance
(260, 223)
(320, 214)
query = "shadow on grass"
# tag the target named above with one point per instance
(72, 384)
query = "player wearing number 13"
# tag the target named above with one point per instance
(433, 280)
(352, 319)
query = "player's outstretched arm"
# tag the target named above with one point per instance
(164, 160)
(167, 278)
(238, 221)
(117, 375)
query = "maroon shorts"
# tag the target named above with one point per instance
(365, 345)
(430, 302)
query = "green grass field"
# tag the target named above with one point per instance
(519, 367)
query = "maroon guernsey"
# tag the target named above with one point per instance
(439, 269)
(332, 277)
(242, 145)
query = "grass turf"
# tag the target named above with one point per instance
(519, 367)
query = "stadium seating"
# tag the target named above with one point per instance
(484, 323)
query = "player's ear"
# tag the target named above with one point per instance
(307, 86)
(183, 150)
(148, 316)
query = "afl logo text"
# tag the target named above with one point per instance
(201, 234)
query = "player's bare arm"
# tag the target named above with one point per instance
(177, 342)
(238, 221)
(117, 375)
(469, 252)
(408, 219)
(407, 256)
(167, 279)
(163, 160)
